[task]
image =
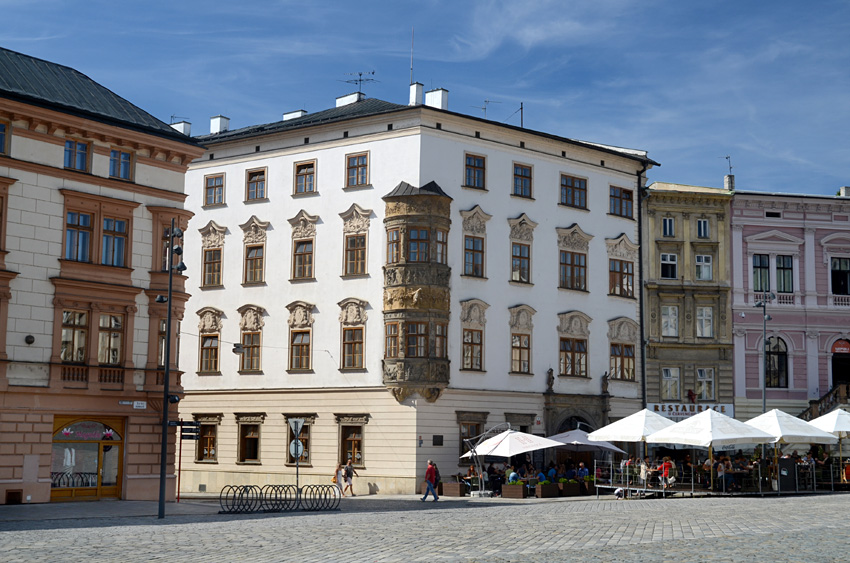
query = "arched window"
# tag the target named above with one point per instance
(776, 364)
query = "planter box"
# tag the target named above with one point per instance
(514, 491)
(453, 489)
(549, 490)
(569, 489)
(591, 487)
(424, 488)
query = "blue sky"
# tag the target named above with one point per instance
(767, 83)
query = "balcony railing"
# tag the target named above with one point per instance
(111, 376)
(841, 300)
(786, 298)
(838, 395)
(76, 374)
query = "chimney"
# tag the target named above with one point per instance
(729, 182)
(184, 127)
(219, 124)
(415, 94)
(844, 191)
(294, 114)
(438, 98)
(350, 99)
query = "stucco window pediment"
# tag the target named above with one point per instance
(251, 318)
(475, 221)
(212, 235)
(623, 329)
(622, 247)
(520, 320)
(473, 313)
(210, 319)
(522, 228)
(303, 225)
(255, 230)
(355, 220)
(353, 311)
(300, 314)
(573, 238)
(574, 324)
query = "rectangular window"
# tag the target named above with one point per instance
(299, 350)
(304, 438)
(703, 228)
(78, 236)
(207, 442)
(417, 247)
(254, 264)
(440, 341)
(669, 384)
(621, 278)
(622, 361)
(573, 357)
(249, 443)
(520, 262)
(669, 269)
(417, 340)
(761, 272)
(573, 191)
(164, 242)
(474, 172)
(120, 164)
(256, 185)
(352, 348)
(357, 170)
(472, 348)
(522, 180)
(110, 336)
(160, 347)
(784, 274)
(620, 202)
(473, 256)
(705, 322)
(391, 340)
(668, 226)
(305, 177)
(212, 267)
(669, 320)
(704, 267)
(352, 445)
(250, 351)
(468, 430)
(209, 353)
(74, 336)
(392, 246)
(840, 272)
(4, 137)
(521, 353)
(705, 384)
(214, 190)
(77, 155)
(355, 255)
(573, 270)
(302, 259)
(114, 242)
(441, 247)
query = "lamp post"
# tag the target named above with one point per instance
(166, 397)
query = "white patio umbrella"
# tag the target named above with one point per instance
(709, 428)
(788, 429)
(577, 441)
(837, 423)
(634, 428)
(510, 443)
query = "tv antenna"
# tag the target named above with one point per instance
(728, 162)
(173, 117)
(360, 79)
(484, 107)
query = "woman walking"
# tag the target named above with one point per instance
(339, 477)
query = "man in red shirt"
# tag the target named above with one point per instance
(431, 481)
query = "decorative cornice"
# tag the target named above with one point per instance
(344, 418)
(522, 228)
(303, 225)
(255, 230)
(212, 235)
(573, 238)
(622, 247)
(355, 220)
(475, 221)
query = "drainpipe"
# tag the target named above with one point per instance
(640, 196)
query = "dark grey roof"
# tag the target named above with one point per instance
(54, 86)
(404, 189)
(363, 108)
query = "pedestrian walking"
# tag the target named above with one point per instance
(339, 478)
(431, 481)
(349, 473)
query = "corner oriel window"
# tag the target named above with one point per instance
(417, 340)
(391, 340)
(392, 246)
(417, 248)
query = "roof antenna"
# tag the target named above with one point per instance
(359, 80)
(484, 107)
(412, 34)
(729, 162)
(173, 117)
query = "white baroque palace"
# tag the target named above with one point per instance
(401, 277)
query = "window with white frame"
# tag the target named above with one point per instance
(669, 384)
(705, 322)
(703, 267)
(703, 228)
(785, 274)
(668, 226)
(705, 384)
(669, 266)
(669, 320)
(761, 272)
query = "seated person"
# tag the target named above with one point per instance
(541, 477)
(582, 471)
(523, 471)
(513, 476)
(571, 472)
(552, 474)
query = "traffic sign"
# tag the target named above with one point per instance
(190, 423)
(296, 424)
(296, 449)
(173, 423)
(185, 431)
(190, 437)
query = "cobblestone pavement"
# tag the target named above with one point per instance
(801, 528)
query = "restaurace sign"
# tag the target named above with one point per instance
(679, 411)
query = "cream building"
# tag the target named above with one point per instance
(401, 277)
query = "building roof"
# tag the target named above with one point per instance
(38, 82)
(670, 187)
(404, 189)
(373, 106)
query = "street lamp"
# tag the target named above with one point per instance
(166, 398)
(770, 296)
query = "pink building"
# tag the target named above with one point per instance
(792, 253)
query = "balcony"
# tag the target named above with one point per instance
(75, 374)
(841, 300)
(111, 377)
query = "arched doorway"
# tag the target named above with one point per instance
(574, 423)
(840, 362)
(88, 456)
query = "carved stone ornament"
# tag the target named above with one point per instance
(406, 377)
(475, 221)
(303, 225)
(208, 418)
(416, 298)
(573, 238)
(574, 324)
(309, 417)
(622, 247)
(352, 418)
(430, 394)
(210, 320)
(355, 220)
(522, 228)
(253, 417)
(300, 314)
(437, 206)
(472, 313)
(252, 318)
(521, 318)
(353, 312)
(255, 230)
(212, 235)
(623, 329)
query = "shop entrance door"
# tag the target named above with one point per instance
(87, 458)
